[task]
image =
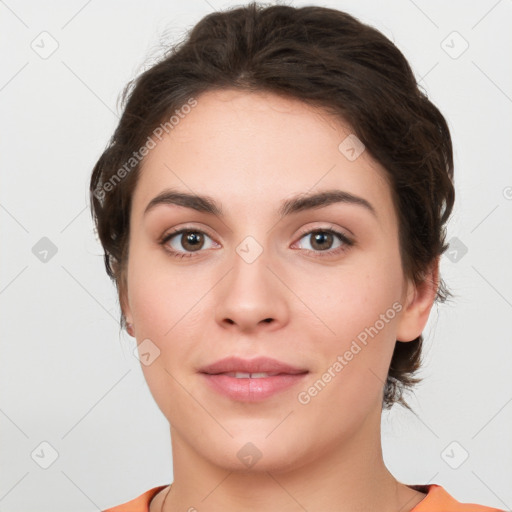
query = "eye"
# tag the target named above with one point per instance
(184, 242)
(326, 240)
(323, 242)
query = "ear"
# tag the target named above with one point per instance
(418, 303)
(125, 307)
(122, 291)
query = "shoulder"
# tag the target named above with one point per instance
(439, 500)
(138, 504)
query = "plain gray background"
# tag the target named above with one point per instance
(73, 395)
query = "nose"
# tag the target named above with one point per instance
(252, 296)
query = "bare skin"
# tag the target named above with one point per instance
(297, 302)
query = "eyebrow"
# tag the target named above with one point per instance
(206, 204)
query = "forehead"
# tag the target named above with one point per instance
(251, 150)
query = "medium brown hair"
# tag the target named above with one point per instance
(325, 58)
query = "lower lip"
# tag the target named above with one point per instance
(252, 390)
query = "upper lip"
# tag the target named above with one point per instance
(256, 365)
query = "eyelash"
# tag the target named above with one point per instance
(347, 242)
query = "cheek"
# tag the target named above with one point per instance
(361, 308)
(150, 309)
(167, 306)
(343, 302)
(162, 307)
(155, 296)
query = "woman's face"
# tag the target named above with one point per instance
(250, 280)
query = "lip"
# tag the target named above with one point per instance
(250, 389)
(256, 365)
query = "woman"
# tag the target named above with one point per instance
(272, 207)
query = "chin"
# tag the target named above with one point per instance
(257, 454)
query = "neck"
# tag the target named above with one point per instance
(348, 476)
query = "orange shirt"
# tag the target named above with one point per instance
(436, 500)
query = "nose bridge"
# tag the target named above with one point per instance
(251, 293)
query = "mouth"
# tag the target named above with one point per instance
(245, 375)
(264, 365)
(251, 380)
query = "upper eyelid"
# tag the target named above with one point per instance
(331, 227)
(343, 237)
(175, 232)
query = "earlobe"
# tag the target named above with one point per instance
(125, 308)
(419, 302)
(127, 315)
(128, 320)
